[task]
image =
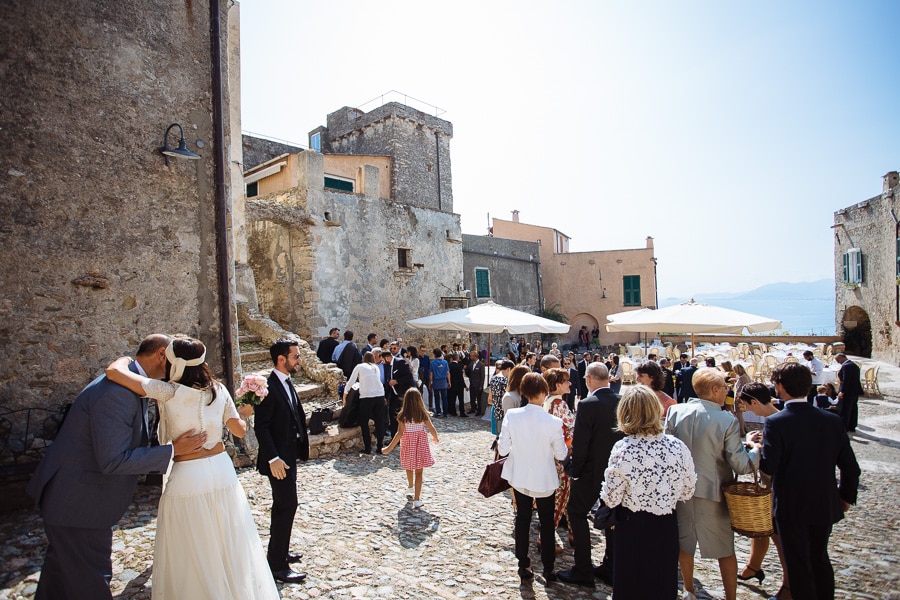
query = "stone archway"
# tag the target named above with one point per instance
(856, 332)
(579, 320)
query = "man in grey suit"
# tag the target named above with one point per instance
(87, 478)
(714, 439)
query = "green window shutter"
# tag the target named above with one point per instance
(338, 184)
(846, 267)
(482, 283)
(632, 287)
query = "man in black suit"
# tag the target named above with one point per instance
(683, 379)
(582, 370)
(475, 372)
(592, 440)
(801, 447)
(849, 391)
(327, 346)
(398, 379)
(281, 431)
(346, 355)
(669, 385)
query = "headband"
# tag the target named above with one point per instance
(178, 363)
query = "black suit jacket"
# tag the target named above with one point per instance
(801, 447)
(593, 437)
(349, 358)
(277, 428)
(582, 383)
(669, 385)
(475, 371)
(685, 387)
(325, 349)
(399, 370)
(849, 376)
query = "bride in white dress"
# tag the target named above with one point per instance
(207, 545)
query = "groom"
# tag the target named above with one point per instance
(87, 478)
(281, 431)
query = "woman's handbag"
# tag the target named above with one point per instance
(750, 507)
(350, 413)
(492, 481)
(605, 517)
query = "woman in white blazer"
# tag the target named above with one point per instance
(533, 439)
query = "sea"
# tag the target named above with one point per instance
(805, 308)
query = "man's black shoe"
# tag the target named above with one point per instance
(570, 577)
(288, 576)
(604, 574)
(292, 558)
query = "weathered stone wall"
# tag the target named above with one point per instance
(514, 269)
(258, 150)
(314, 273)
(418, 143)
(871, 226)
(102, 242)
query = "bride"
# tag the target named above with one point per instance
(207, 545)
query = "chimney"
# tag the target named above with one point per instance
(649, 242)
(890, 179)
(515, 214)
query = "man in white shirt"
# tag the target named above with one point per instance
(817, 368)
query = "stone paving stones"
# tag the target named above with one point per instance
(362, 539)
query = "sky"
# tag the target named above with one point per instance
(730, 132)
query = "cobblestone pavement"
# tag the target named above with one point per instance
(362, 539)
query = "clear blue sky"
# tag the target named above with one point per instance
(728, 131)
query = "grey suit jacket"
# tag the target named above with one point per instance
(89, 473)
(714, 439)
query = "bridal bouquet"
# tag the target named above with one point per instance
(253, 389)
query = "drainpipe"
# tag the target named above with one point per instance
(437, 149)
(221, 205)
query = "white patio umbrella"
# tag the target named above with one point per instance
(489, 318)
(690, 317)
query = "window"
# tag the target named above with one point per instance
(632, 286)
(339, 184)
(482, 283)
(315, 142)
(403, 259)
(253, 189)
(898, 256)
(854, 269)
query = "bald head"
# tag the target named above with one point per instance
(598, 372)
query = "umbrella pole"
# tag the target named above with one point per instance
(488, 361)
(693, 346)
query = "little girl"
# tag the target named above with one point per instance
(415, 454)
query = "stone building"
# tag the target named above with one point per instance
(587, 286)
(361, 235)
(103, 241)
(867, 273)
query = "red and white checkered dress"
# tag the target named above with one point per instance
(414, 450)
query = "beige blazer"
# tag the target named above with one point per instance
(714, 439)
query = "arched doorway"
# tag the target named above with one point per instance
(578, 321)
(856, 331)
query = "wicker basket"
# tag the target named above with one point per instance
(750, 507)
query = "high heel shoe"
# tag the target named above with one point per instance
(758, 574)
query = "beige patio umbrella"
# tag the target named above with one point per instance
(690, 317)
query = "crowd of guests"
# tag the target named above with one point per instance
(651, 469)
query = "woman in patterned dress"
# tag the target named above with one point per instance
(648, 473)
(415, 454)
(555, 404)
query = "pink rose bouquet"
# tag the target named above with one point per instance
(253, 389)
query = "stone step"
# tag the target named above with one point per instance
(308, 391)
(246, 338)
(255, 356)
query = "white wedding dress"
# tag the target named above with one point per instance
(207, 544)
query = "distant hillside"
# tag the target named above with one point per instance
(803, 308)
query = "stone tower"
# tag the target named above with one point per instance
(418, 144)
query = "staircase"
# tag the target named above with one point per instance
(255, 359)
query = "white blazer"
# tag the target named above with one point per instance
(533, 438)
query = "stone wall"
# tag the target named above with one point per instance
(867, 315)
(419, 145)
(314, 273)
(258, 150)
(514, 269)
(102, 242)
